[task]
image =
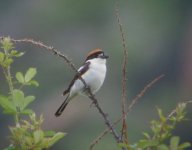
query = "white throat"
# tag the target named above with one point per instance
(98, 61)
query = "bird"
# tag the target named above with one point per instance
(93, 72)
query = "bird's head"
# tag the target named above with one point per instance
(96, 54)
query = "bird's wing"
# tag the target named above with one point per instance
(81, 71)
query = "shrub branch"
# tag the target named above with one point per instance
(124, 131)
(131, 105)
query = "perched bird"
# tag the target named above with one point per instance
(93, 72)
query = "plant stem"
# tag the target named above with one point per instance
(9, 80)
(8, 75)
(7, 72)
(11, 88)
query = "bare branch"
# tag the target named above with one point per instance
(105, 116)
(140, 95)
(124, 131)
(133, 102)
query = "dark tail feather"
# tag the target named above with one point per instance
(62, 107)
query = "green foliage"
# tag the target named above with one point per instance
(27, 79)
(6, 44)
(29, 135)
(162, 132)
(7, 105)
(6, 57)
(21, 102)
(26, 134)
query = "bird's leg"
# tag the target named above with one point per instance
(89, 93)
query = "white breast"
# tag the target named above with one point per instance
(94, 77)
(96, 74)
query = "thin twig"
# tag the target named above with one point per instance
(107, 121)
(140, 95)
(69, 62)
(124, 131)
(132, 104)
(51, 49)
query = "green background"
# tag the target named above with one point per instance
(158, 35)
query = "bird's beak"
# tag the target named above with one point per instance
(105, 56)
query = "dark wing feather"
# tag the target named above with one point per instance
(81, 71)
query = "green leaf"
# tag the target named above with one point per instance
(133, 146)
(29, 141)
(38, 135)
(13, 52)
(162, 147)
(11, 147)
(49, 133)
(7, 105)
(18, 98)
(184, 145)
(2, 56)
(161, 116)
(27, 111)
(31, 72)
(19, 54)
(34, 83)
(7, 44)
(16, 53)
(147, 143)
(146, 135)
(27, 101)
(19, 76)
(56, 137)
(174, 142)
(121, 145)
(7, 62)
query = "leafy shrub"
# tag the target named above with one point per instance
(26, 134)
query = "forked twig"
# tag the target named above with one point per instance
(124, 131)
(132, 104)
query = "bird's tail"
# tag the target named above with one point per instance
(63, 106)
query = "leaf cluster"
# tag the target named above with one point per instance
(26, 134)
(27, 79)
(17, 104)
(8, 53)
(30, 136)
(162, 132)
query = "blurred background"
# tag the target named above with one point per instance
(159, 39)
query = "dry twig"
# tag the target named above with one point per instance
(124, 134)
(133, 102)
